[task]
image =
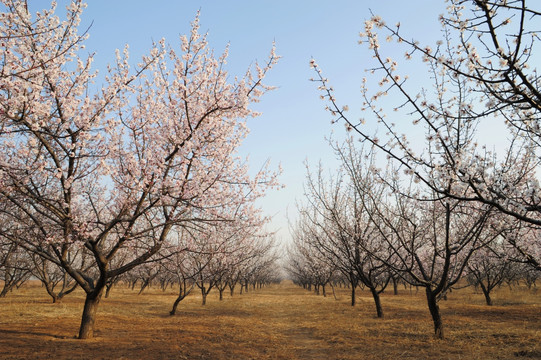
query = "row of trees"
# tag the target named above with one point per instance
(442, 203)
(101, 179)
(356, 228)
(487, 271)
(246, 260)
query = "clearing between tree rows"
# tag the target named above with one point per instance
(281, 321)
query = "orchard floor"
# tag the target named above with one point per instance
(278, 322)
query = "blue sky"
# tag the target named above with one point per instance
(293, 126)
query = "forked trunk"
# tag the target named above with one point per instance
(435, 312)
(92, 301)
(377, 301)
(50, 291)
(180, 297)
(183, 291)
(144, 286)
(486, 292)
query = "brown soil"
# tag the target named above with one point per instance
(277, 322)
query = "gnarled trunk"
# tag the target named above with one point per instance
(92, 301)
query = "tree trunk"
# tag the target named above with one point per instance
(353, 294)
(50, 291)
(108, 290)
(182, 293)
(333, 293)
(204, 296)
(377, 301)
(395, 286)
(486, 292)
(63, 293)
(92, 301)
(221, 291)
(488, 299)
(175, 304)
(435, 312)
(144, 286)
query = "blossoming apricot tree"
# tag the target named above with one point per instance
(119, 166)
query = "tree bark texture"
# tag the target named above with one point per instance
(92, 301)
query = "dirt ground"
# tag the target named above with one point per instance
(278, 322)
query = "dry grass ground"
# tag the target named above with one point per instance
(277, 322)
